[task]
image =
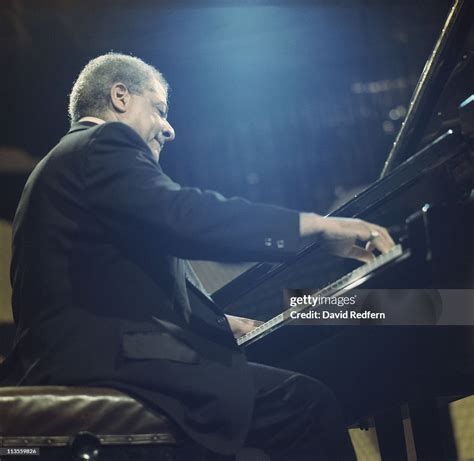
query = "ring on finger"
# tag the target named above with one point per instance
(373, 235)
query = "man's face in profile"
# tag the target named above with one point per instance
(147, 115)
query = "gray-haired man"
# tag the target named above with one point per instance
(102, 296)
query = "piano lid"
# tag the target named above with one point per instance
(446, 81)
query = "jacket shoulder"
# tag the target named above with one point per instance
(117, 132)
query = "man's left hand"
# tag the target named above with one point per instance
(241, 325)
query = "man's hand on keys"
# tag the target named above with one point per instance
(241, 325)
(340, 236)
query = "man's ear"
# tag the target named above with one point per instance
(120, 97)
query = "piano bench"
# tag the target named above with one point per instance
(83, 423)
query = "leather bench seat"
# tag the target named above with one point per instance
(54, 415)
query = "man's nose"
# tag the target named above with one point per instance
(168, 133)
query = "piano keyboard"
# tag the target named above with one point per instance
(337, 288)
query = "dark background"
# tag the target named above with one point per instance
(289, 102)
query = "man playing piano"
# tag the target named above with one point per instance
(103, 294)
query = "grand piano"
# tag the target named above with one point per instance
(424, 196)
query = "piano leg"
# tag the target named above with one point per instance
(432, 431)
(431, 437)
(391, 435)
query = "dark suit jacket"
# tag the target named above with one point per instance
(100, 294)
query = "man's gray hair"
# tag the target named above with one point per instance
(90, 94)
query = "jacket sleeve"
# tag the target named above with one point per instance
(136, 201)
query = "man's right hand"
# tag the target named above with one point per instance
(339, 236)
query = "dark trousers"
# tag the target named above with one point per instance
(295, 418)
